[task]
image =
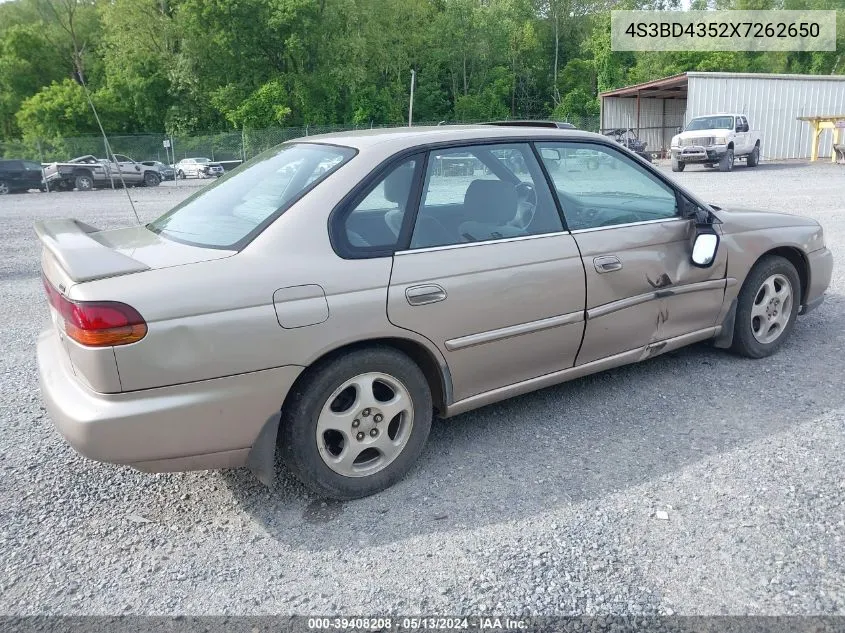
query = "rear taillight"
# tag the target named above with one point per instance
(97, 323)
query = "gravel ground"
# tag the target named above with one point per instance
(694, 483)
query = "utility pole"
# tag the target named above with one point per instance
(411, 104)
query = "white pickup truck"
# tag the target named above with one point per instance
(716, 139)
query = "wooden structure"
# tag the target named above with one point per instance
(820, 123)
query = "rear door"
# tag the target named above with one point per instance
(33, 174)
(488, 273)
(641, 285)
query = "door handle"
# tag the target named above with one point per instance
(607, 264)
(422, 295)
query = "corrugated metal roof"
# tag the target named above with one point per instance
(765, 76)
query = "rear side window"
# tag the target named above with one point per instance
(237, 207)
(377, 220)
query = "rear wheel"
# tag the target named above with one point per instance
(84, 182)
(754, 157)
(677, 165)
(4, 188)
(356, 424)
(151, 179)
(767, 307)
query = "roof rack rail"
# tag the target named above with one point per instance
(552, 124)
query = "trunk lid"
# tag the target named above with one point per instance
(77, 252)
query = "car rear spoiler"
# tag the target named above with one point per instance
(81, 256)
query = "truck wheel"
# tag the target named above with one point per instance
(754, 157)
(84, 182)
(677, 165)
(727, 162)
(4, 188)
(151, 179)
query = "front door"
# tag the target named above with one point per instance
(641, 285)
(129, 169)
(488, 273)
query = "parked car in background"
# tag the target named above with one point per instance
(20, 175)
(167, 172)
(198, 168)
(627, 138)
(336, 312)
(88, 172)
(716, 139)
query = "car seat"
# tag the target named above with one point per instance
(492, 206)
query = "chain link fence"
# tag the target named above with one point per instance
(222, 146)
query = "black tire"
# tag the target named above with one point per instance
(84, 181)
(754, 157)
(180, 175)
(151, 179)
(298, 426)
(744, 342)
(727, 161)
(5, 189)
(677, 165)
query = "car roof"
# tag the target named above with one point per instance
(424, 135)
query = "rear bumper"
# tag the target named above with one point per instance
(821, 270)
(194, 426)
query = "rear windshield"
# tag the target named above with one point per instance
(230, 212)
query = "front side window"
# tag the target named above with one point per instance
(600, 186)
(230, 211)
(479, 193)
(376, 221)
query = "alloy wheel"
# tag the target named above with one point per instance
(772, 309)
(365, 424)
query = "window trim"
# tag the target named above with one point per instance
(645, 167)
(335, 230)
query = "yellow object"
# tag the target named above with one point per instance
(820, 123)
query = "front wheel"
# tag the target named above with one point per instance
(4, 188)
(356, 424)
(767, 307)
(727, 161)
(677, 165)
(180, 175)
(151, 179)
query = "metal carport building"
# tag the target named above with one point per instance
(773, 103)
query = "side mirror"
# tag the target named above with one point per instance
(704, 247)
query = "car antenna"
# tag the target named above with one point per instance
(109, 153)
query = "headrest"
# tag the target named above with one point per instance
(397, 186)
(490, 201)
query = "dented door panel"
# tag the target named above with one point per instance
(655, 294)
